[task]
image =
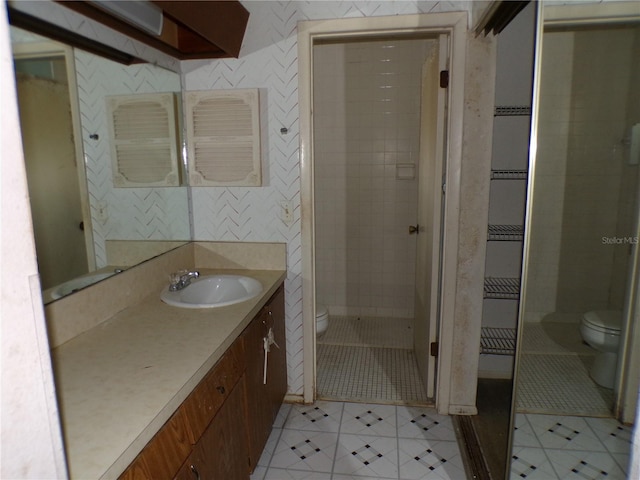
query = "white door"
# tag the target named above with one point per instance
(429, 221)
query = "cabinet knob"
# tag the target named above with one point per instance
(195, 472)
(220, 389)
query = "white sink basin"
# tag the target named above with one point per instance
(213, 291)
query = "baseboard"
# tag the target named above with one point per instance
(463, 410)
(293, 398)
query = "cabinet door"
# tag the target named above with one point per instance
(258, 416)
(164, 454)
(277, 364)
(221, 452)
(264, 399)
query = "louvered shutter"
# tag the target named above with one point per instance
(223, 132)
(144, 140)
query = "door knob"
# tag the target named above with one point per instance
(414, 229)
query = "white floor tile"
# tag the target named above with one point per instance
(420, 422)
(321, 416)
(305, 450)
(563, 432)
(531, 464)
(615, 437)
(367, 456)
(432, 459)
(258, 473)
(369, 419)
(523, 435)
(282, 474)
(585, 465)
(270, 447)
(285, 408)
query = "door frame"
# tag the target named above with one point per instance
(44, 49)
(454, 25)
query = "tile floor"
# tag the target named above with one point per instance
(369, 359)
(554, 373)
(549, 447)
(341, 440)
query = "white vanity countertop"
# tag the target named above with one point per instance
(121, 381)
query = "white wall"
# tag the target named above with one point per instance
(30, 439)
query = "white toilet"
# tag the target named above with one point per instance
(322, 320)
(600, 329)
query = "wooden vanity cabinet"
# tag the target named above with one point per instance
(221, 452)
(264, 398)
(220, 430)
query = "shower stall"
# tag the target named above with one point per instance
(367, 122)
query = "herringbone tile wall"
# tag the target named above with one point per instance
(123, 213)
(268, 61)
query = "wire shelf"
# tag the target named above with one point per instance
(506, 233)
(502, 288)
(512, 111)
(498, 341)
(508, 174)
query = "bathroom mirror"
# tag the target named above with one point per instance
(85, 228)
(576, 375)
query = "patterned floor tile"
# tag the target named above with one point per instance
(305, 450)
(523, 434)
(365, 455)
(622, 459)
(369, 419)
(321, 416)
(283, 413)
(432, 459)
(585, 465)
(419, 422)
(562, 432)
(615, 437)
(282, 474)
(270, 447)
(531, 464)
(258, 473)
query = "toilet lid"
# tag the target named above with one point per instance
(321, 310)
(604, 319)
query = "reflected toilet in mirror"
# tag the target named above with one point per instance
(575, 384)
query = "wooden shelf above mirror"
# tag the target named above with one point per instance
(191, 29)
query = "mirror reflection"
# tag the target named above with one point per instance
(577, 386)
(85, 227)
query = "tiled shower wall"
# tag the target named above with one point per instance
(582, 173)
(366, 135)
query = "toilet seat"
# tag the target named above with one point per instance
(605, 321)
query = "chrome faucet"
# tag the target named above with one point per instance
(181, 279)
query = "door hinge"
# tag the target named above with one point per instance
(434, 349)
(444, 79)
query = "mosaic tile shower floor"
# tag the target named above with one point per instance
(369, 360)
(554, 373)
(360, 441)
